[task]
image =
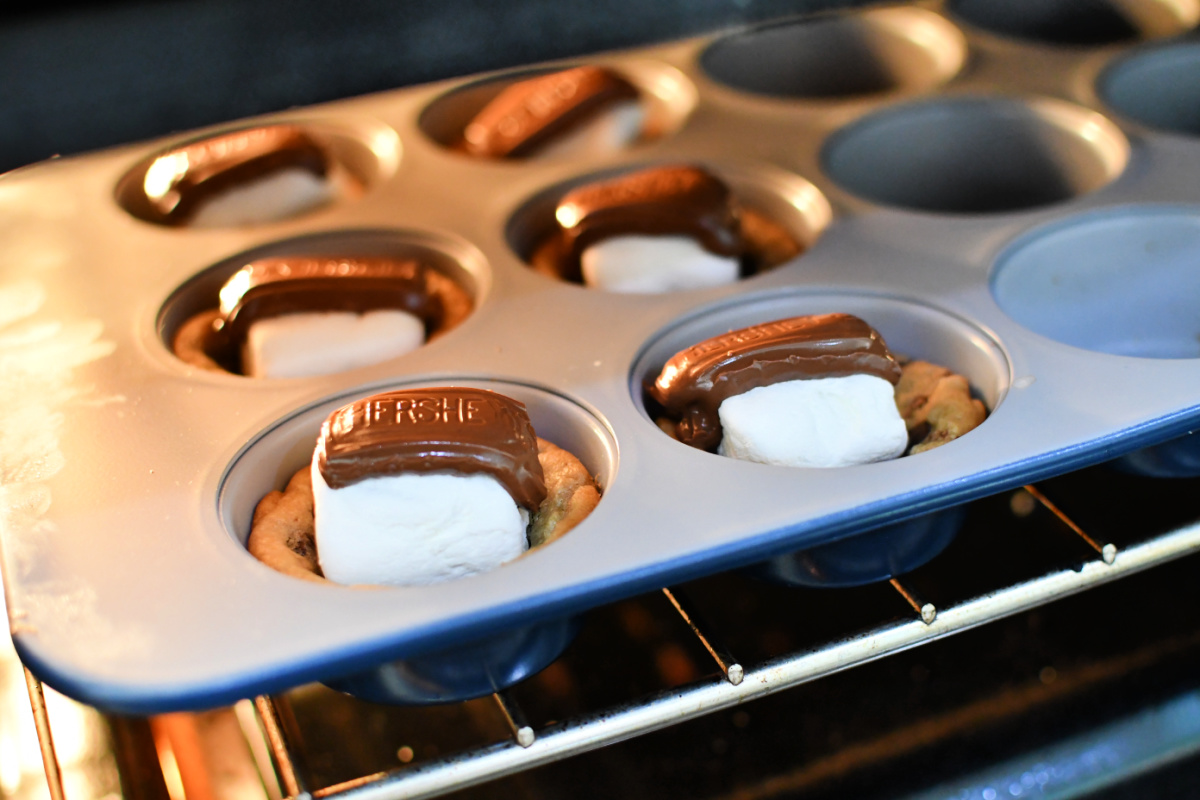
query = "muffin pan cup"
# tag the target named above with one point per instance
(128, 585)
(489, 663)
(866, 557)
(464, 671)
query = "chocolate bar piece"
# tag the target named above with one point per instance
(695, 381)
(532, 112)
(678, 200)
(273, 287)
(441, 429)
(176, 183)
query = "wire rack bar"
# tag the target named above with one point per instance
(729, 666)
(260, 747)
(665, 709)
(522, 731)
(285, 764)
(927, 611)
(41, 720)
(1108, 552)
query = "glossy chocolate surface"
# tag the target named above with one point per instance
(694, 383)
(273, 287)
(677, 200)
(177, 182)
(440, 429)
(531, 112)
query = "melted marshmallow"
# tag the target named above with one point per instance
(412, 528)
(825, 422)
(654, 264)
(321, 343)
(272, 197)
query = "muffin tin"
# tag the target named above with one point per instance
(1023, 211)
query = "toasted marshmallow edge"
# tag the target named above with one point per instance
(278, 195)
(823, 422)
(654, 264)
(320, 343)
(611, 129)
(415, 529)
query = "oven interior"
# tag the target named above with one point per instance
(1051, 651)
(1076, 678)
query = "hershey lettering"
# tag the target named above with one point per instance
(744, 336)
(427, 411)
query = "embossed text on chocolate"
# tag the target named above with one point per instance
(431, 410)
(744, 336)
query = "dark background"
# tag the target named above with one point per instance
(77, 77)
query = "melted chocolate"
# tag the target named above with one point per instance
(433, 430)
(531, 112)
(680, 200)
(272, 287)
(177, 182)
(694, 383)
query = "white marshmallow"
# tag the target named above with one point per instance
(320, 343)
(413, 528)
(611, 129)
(276, 196)
(654, 264)
(824, 422)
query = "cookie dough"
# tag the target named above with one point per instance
(936, 405)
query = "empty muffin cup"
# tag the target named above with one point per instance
(873, 52)
(1120, 281)
(1158, 87)
(461, 670)
(1079, 22)
(250, 176)
(668, 227)
(913, 331)
(573, 112)
(977, 155)
(321, 304)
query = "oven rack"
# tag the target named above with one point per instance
(266, 723)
